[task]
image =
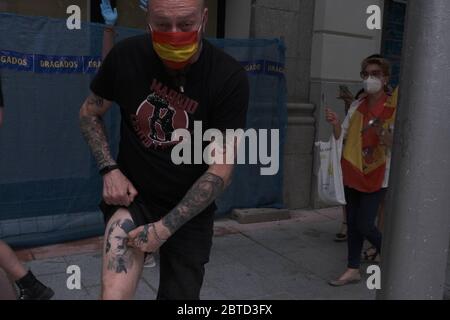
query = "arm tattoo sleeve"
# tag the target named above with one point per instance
(93, 130)
(204, 191)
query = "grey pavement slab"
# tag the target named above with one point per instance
(151, 276)
(246, 216)
(90, 266)
(236, 280)
(48, 266)
(210, 292)
(143, 292)
(58, 282)
(276, 296)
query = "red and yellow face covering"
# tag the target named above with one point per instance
(176, 49)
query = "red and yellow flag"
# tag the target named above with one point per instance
(364, 158)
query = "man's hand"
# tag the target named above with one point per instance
(148, 238)
(108, 13)
(117, 189)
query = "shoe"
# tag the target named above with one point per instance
(340, 283)
(342, 235)
(370, 256)
(36, 292)
(31, 288)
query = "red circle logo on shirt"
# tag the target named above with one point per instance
(156, 120)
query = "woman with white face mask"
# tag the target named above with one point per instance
(367, 131)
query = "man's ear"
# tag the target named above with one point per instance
(205, 19)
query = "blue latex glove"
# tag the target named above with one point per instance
(108, 13)
(143, 5)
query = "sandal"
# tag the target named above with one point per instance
(342, 236)
(370, 255)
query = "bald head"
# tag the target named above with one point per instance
(177, 15)
(152, 3)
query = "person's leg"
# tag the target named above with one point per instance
(30, 287)
(122, 265)
(370, 203)
(354, 240)
(181, 277)
(380, 221)
(371, 253)
(183, 258)
(342, 235)
(10, 263)
(7, 291)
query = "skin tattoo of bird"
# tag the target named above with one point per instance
(143, 236)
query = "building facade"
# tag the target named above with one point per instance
(325, 39)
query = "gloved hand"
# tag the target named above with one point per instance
(108, 13)
(143, 4)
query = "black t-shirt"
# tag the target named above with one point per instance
(216, 92)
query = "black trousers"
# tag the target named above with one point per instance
(183, 256)
(362, 209)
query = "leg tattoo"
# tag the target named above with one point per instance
(116, 249)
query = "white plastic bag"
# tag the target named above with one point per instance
(330, 183)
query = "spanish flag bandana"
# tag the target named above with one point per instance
(364, 158)
(175, 48)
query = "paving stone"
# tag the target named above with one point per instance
(90, 265)
(58, 282)
(47, 266)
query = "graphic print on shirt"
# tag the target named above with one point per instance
(164, 111)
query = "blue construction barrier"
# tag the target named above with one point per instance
(49, 183)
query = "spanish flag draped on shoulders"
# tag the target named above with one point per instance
(365, 161)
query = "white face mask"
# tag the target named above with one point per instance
(372, 85)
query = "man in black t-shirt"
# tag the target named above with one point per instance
(163, 82)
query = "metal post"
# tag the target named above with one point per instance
(414, 255)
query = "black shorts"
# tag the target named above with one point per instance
(139, 211)
(183, 256)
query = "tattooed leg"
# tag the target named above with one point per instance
(116, 245)
(122, 265)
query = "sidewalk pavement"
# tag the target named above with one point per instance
(282, 260)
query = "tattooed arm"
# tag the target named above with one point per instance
(204, 191)
(117, 189)
(93, 129)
